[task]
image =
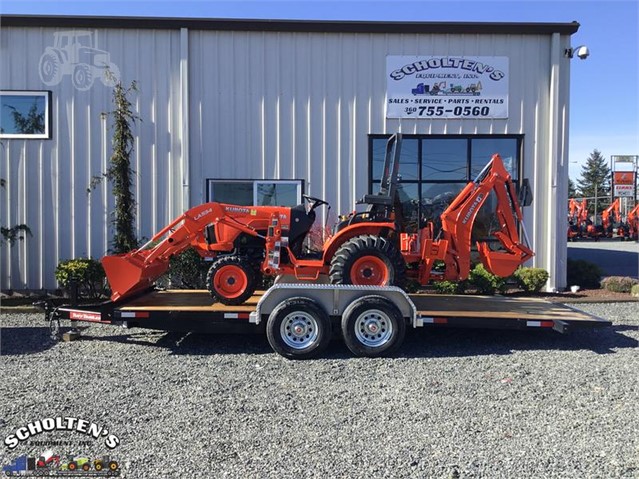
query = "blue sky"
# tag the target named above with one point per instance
(604, 109)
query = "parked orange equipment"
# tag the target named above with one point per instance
(367, 248)
(610, 216)
(632, 223)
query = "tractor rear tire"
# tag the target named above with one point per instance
(368, 260)
(231, 280)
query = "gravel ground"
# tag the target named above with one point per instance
(452, 403)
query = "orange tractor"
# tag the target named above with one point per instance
(366, 248)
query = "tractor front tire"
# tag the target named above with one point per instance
(368, 260)
(231, 280)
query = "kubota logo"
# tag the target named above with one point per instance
(470, 211)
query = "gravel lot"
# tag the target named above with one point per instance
(452, 403)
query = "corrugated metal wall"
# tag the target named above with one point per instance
(261, 105)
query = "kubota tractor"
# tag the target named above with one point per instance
(366, 248)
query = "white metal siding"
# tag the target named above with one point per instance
(47, 179)
(261, 105)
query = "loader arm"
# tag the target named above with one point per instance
(459, 217)
(137, 270)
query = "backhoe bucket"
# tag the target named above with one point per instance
(500, 263)
(128, 275)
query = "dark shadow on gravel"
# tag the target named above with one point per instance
(462, 343)
(24, 340)
(612, 262)
(192, 343)
(419, 343)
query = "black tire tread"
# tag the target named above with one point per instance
(365, 245)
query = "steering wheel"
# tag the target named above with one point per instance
(314, 202)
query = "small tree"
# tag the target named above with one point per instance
(595, 179)
(120, 173)
(572, 191)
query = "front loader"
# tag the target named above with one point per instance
(366, 248)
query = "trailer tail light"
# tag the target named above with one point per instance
(134, 314)
(540, 324)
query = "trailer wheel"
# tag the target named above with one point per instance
(368, 260)
(113, 465)
(86, 466)
(231, 280)
(298, 329)
(99, 466)
(373, 327)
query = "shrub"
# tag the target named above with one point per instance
(187, 270)
(531, 280)
(485, 281)
(450, 287)
(618, 284)
(635, 290)
(583, 273)
(87, 273)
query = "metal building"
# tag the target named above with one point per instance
(306, 102)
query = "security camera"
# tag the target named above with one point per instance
(582, 52)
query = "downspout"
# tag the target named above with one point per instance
(184, 119)
(552, 171)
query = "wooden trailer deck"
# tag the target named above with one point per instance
(468, 311)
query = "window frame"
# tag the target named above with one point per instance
(209, 181)
(48, 107)
(469, 137)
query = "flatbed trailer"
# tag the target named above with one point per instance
(300, 319)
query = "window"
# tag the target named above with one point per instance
(25, 114)
(435, 168)
(256, 192)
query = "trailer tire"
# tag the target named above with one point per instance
(298, 328)
(368, 260)
(231, 280)
(373, 326)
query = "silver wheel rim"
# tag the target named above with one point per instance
(373, 328)
(299, 330)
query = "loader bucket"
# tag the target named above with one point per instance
(128, 275)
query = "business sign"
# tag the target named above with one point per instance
(624, 191)
(624, 178)
(442, 87)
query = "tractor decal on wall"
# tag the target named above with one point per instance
(73, 53)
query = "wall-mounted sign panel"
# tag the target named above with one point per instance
(441, 87)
